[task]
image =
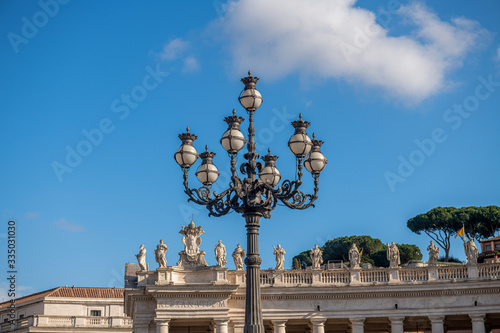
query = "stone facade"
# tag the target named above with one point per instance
(68, 309)
(212, 299)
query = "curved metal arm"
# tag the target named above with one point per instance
(219, 205)
(288, 193)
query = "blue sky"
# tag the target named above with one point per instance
(405, 95)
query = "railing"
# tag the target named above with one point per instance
(266, 278)
(413, 274)
(374, 275)
(99, 321)
(489, 271)
(452, 272)
(297, 277)
(61, 321)
(335, 277)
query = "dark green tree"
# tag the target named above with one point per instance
(481, 222)
(439, 223)
(372, 251)
(295, 264)
(408, 252)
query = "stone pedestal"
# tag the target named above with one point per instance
(316, 277)
(164, 275)
(394, 275)
(473, 271)
(221, 275)
(433, 273)
(355, 277)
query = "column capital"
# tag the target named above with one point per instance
(357, 320)
(477, 316)
(436, 319)
(279, 321)
(162, 322)
(318, 321)
(399, 319)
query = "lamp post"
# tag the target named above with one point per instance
(256, 195)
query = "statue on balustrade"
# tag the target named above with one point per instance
(220, 254)
(433, 254)
(393, 255)
(238, 256)
(141, 258)
(354, 257)
(316, 257)
(471, 251)
(160, 251)
(191, 256)
(280, 257)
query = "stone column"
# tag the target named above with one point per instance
(318, 325)
(477, 323)
(357, 324)
(397, 324)
(221, 325)
(162, 325)
(279, 326)
(437, 324)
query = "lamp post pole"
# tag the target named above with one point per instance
(251, 196)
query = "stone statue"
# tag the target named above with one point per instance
(238, 255)
(433, 254)
(471, 251)
(354, 257)
(316, 257)
(393, 255)
(160, 251)
(280, 257)
(191, 256)
(141, 258)
(220, 254)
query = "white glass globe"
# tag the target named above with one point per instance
(186, 155)
(300, 144)
(270, 175)
(251, 99)
(315, 162)
(233, 140)
(207, 174)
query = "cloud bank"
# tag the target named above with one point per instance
(335, 39)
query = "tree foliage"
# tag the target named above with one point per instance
(372, 251)
(441, 223)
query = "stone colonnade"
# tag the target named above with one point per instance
(317, 325)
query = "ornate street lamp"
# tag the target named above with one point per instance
(251, 196)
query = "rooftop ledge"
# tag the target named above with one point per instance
(214, 275)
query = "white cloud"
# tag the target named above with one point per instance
(335, 39)
(64, 224)
(174, 49)
(498, 54)
(190, 65)
(32, 215)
